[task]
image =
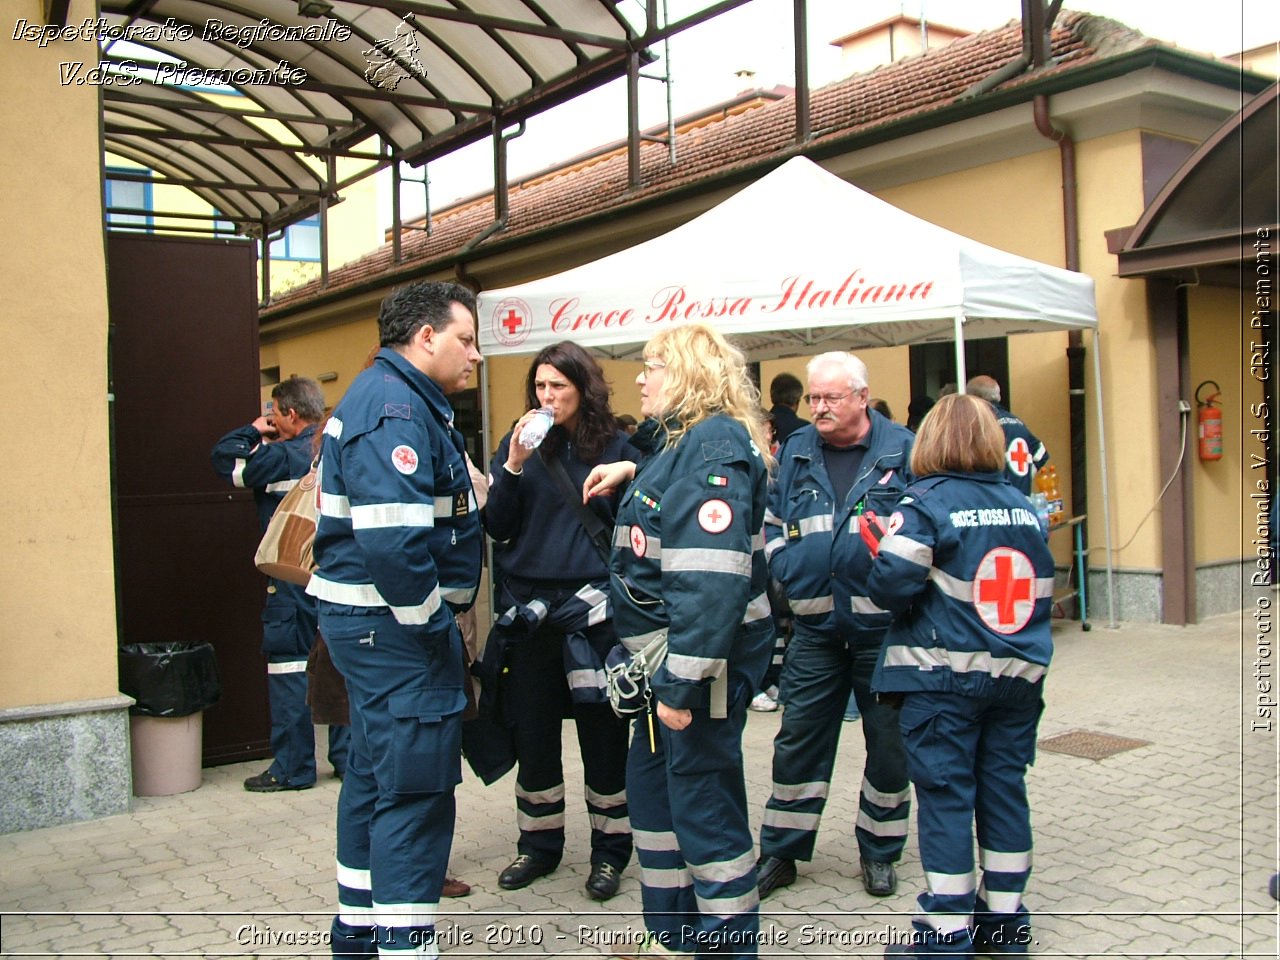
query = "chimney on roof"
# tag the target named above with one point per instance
(890, 40)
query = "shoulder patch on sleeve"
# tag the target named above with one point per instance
(717, 450)
(396, 398)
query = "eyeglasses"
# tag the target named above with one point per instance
(654, 365)
(830, 399)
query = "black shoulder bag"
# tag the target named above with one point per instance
(590, 522)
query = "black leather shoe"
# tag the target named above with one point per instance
(878, 877)
(772, 873)
(523, 870)
(603, 882)
(266, 782)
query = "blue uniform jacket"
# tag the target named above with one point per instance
(688, 559)
(270, 469)
(815, 546)
(542, 537)
(398, 524)
(969, 577)
(1024, 453)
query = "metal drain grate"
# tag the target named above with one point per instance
(1090, 745)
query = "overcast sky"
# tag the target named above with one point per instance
(757, 37)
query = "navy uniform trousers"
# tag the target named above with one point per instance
(536, 700)
(968, 758)
(288, 631)
(817, 676)
(693, 839)
(406, 740)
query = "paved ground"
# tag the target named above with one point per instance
(1163, 850)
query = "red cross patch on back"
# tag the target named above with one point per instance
(1019, 456)
(1004, 589)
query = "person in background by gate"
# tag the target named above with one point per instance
(688, 562)
(398, 551)
(269, 455)
(1024, 453)
(966, 572)
(555, 626)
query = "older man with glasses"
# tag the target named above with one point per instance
(839, 480)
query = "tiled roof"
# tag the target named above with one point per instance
(860, 103)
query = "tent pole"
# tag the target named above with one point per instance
(962, 375)
(486, 438)
(1106, 489)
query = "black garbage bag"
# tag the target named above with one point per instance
(174, 679)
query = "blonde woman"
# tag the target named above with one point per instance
(688, 560)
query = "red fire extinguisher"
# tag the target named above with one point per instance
(1210, 417)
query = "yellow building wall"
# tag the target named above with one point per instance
(57, 599)
(340, 349)
(1110, 173)
(1219, 348)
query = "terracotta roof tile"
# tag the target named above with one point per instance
(863, 102)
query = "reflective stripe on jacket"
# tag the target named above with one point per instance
(399, 526)
(688, 559)
(969, 577)
(269, 469)
(815, 546)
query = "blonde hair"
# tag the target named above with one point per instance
(706, 375)
(959, 435)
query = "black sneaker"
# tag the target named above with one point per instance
(266, 782)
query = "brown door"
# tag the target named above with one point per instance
(184, 371)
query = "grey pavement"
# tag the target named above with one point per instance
(1163, 850)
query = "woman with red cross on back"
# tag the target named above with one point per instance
(965, 570)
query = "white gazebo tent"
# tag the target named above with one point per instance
(799, 261)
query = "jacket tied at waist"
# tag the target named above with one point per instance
(584, 650)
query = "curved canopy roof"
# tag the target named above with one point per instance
(408, 79)
(1209, 212)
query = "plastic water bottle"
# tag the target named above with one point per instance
(1041, 504)
(535, 431)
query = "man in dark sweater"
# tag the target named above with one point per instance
(785, 392)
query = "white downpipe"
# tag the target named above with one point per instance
(1106, 484)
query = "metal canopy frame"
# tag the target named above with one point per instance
(452, 72)
(301, 91)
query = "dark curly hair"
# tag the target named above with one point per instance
(407, 309)
(596, 424)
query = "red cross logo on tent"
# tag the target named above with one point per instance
(512, 321)
(404, 459)
(1003, 590)
(638, 540)
(1019, 457)
(714, 516)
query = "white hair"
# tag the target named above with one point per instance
(854, 368)
(984, 387)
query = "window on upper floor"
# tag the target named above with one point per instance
(301, 241)
(128, 194)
